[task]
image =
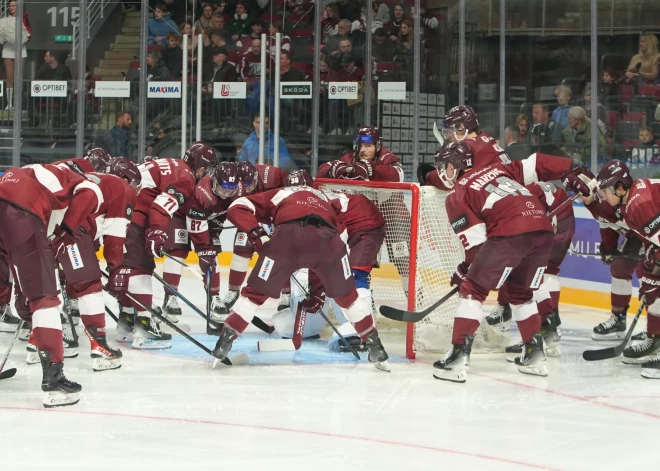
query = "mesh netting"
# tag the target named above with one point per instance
(438, 253)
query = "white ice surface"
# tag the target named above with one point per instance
(313, 410)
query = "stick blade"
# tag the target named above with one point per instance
(399, 315)
(603, 354)
(276, 345)
(8, 373)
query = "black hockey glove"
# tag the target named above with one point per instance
(607, 255)
(257, 237)
(460, 274)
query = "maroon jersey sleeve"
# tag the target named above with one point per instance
(486, 151)
(175, 188)
(388, 167)
(539, 167)
(433, 179)
(86, 199)
(552, 198)
(77, 164)
(119, 205)
(270, 177)
(323, 170)
(468, 226)
(642, 212)
(357, 212)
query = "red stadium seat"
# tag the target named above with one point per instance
(302, 33)
(626, 92)
(267, 17)
(637, 117)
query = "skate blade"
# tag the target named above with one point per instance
(32, 358)
(24, 337)
(553, 352)
(105, 364)
(238, 360)
(608, 337)
(140, 343)
(450, 375)
(512, 357)
(382, 366)
(60, 399)
(502, 327)
(650, 373)
(636, 361)
(71, 353)
(534, 370)
(173, 318)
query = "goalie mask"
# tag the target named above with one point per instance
(460, 121)
(459, 155)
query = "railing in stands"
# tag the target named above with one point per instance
(95, 11)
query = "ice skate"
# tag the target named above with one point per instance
(24, 333)
(500, 318)
(640, 336)
(8, 321)
(71, 307)
(285, 301)
(377, 354)
(651, 369)
(148, 335)
(228, 302)
(355, 342)
(224, 343)
(103, 356)
(125, 327)
(171, 308)
(59, 390)
(532, 360)
(643, 351)
(456, 363)
(32, 357)
(613, 328)
(551, 336)
(218, 309)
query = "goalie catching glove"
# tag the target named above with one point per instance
(257, 237)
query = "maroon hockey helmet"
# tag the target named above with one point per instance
(99, 159)
(461, 119)
(299, 178)
(614, 173)
(149, 158)
(247, 173)
(199, 155)
(459, 154)
(127, 170)
(225, 179)
(368, 135)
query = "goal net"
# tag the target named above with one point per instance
(418, 257)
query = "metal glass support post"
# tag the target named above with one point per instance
(142, 97)
(594, 86)
(316, 92)
(184, 96)
(82, 98)
(417, 77)
(262, 101)
(18, 88)
(502, 68)
(276, 114)
(461, 52)
(198, 114)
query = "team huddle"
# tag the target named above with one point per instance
(514, 226)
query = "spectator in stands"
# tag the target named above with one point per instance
(239, 25)
(250, 150)
(206, 20)
(8, 33)
(610, 85)
(343, 32)
(404, 46)
(53, 69)
(647, 151)
(156, 70)
(218, 39)
(547, 133)
(383, 13)
(339, 112)
(250, 65)
(160, 25)
(244, 43)
(560, 114)
(645, 65)
(206, 49)
(515, 148)
(577, 136)
(522, 124)
(382, 48)
(601, 113)
(330, 24)
(398, 16)
(116, 141)
(176, 10)
(349, 9)
(345, 47)
(219, 70)
(172, 56)
(288, 73)
(219, 24)
(274, 28)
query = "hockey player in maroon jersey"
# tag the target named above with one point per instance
(256, 179)
(306, 236)
(639, 203)
(507, 238)
(80, 265)
(166, 185)
(96, 160)
(212, 196)
(33, 203)
(547, 296)
(370, 160)
(623, 263)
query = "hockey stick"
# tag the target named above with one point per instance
(613, 352)
(183, 264)
(438, 135)
(325, 318)
(412, 316)
(597, 255)
(277, 345)
(237, 360)
(111, 314)
(210, 330)
(68, 312)
(11, 371)
(564, 203)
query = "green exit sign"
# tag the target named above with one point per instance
(63, 38)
